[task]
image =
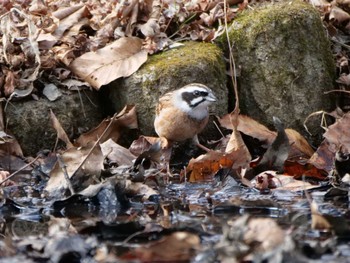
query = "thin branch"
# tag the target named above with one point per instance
(63, 167)
(336, 90)
(232, 60)
(21, 169)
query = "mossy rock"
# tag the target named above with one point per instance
(170, 70)
(285, 63)
(29, 120)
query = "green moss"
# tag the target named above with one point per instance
(175, 61)
(276, 23)
(251, 23)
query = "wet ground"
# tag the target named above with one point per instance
(111, 226)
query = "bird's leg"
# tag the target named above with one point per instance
(197, 143)
(165, 144)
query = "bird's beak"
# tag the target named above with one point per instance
(211, 97)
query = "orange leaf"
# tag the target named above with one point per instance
(298, 170)
(204, 167)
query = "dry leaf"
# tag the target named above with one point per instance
(317, 220)
(299, 146)
(25, 34)
(338, 134)
(204, 167)
(141, 189)
(143, 143)
(83, 167)
(69, 16)
(339, 15)
(111, 128)
(299, 170)
(323, 158)
(250, 127)
(132, 20)
(3, 176)
(8, 143)
(119, 59)
(286, 182)
(177, 247)
(61, 134)
(276, 154)
(344, 79)
(236, 150)
(265, 233)
(116, 153)
(151, 27)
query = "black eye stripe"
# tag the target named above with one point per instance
(200, 93)
(189, 96)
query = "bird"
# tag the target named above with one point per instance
(183, 113)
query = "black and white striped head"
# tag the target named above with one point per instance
(194, 99)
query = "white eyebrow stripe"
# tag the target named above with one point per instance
(194, 88)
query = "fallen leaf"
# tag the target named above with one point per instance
(338, 134)
(116, 153)
(317, 220)
(3, 176)
(110, 128)
(263, 234)
(299, 146)
(344, 79)
(129, 29)
(299, 170)
(179, 246)
(276, 154)
(204, 167)
(286, 182)
(236, 150)
(8, 143)
(83, 166)
(25, 34)
(143, 143)
(119, 59)
(249, 127)
(150, 28)
(338, 15)
(323, 158)
(68, 17)
(61, 134)
(140, 189)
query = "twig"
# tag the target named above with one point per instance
(232, 60)
(336, 90)
(63, 166)
(98, 141)
(21, 169)
(338, 42)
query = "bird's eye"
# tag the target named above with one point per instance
(196, 93)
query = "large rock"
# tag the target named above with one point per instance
(29, 120)
(285, 63)
(193, 62)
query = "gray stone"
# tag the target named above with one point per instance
(29, 120)
(285, 63)
(173, 69)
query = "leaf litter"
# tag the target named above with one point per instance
(99, 200)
